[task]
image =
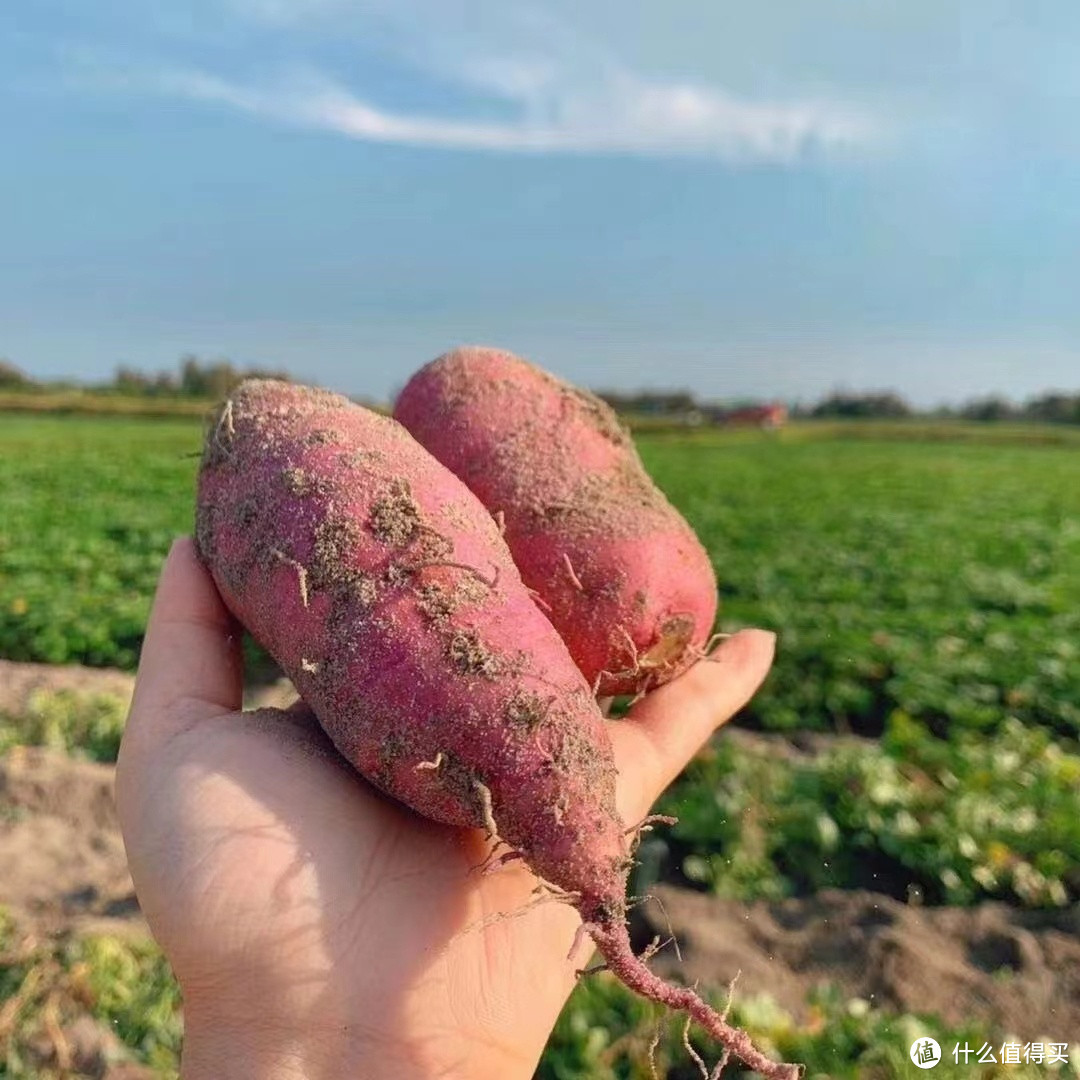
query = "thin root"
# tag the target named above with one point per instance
(580, 934)
(495, 861)
(705, 652)
(731, 993)
(653, 948)
(614, 944)
(490, 582)
(596, 969)
(631, 672)
(225, 423)
(502, 860)
(301, 572)
(694, 1055)
(493, 856)
(573, 576)
(601, 675)
(667, 918)
(434, 765)
(538, 600)
(653, 1044)
(545, 888)
(633, 650)
(502, 916)
(646, 823)
(641, 663)
(484, 794)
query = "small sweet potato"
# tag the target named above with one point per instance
(383, 588)
(617, 569)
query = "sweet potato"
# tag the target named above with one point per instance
(383, 588)
(617, 569)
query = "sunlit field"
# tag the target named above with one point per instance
(918, 736)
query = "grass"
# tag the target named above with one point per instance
(89, 403)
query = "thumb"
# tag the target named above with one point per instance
(667, 728)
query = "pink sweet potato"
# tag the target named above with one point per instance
(383, 588)
(617, 569)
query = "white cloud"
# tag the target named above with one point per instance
(632, 117)
(552, 91)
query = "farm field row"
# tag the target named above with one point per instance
(927, 598)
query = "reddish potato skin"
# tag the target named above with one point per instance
(616, 568)
(344, 548)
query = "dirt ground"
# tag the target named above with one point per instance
(62, 867)
(19, 681)
(1016, 972)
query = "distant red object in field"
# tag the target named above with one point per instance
(763, 416)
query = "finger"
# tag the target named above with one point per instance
(191, 666)
(664, 731)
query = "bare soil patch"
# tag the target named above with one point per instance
(1015, 971)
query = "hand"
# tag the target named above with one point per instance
(317, 928)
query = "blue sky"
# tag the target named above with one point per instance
(748, 201)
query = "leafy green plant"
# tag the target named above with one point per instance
(963, 819)
(47, 983)
(131, 988)
(90, 508)
(88, 724)
(939, 579)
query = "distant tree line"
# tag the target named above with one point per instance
(210, 379)
(1055, 407)
(652, 403)
(13, 378)
(193, 378)
(1052, 407)
(881, 404)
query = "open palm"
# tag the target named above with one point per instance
(318, 929)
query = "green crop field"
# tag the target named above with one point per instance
(926, 594)
(90, 506)
(925, 586)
